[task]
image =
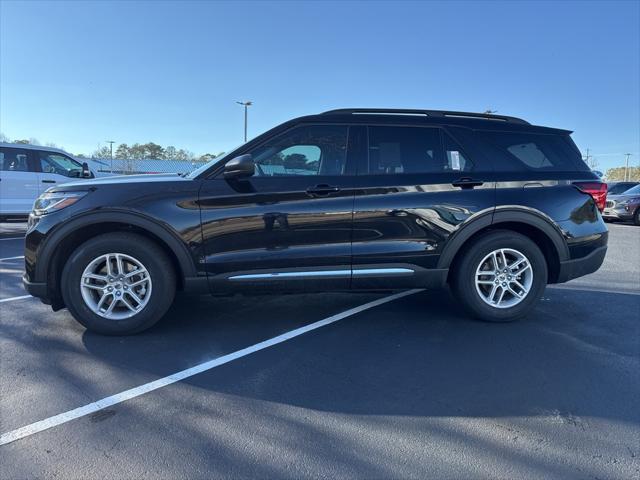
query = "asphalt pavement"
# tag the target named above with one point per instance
(410, 388)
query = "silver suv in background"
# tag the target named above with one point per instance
(26, 171)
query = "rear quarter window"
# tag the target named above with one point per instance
(526, 151)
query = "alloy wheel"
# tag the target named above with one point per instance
(116, 286)
(504, 278)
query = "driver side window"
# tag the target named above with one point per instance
(59, 164)
(304, 150)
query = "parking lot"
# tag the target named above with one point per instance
(405, 386)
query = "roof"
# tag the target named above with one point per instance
(474, 120)
(28, 146)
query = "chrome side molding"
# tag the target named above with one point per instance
(324, 273)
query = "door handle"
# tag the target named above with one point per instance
(322, 190)
(48, 181)
(467, 182)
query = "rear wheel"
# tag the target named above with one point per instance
(500, 276)
(118, 283)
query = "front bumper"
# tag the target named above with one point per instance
(579, 267)
(617, 213)
(36, 289)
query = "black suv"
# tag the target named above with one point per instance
(352, 199)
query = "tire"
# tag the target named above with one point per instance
(134, 253)
(478, 256)
(636, 217)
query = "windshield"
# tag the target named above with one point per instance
(633, 191)
(207, 165)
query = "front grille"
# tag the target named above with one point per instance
(611, 203)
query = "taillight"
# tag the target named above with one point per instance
(598, 190)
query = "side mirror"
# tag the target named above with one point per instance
(86, 173)
(240, 167)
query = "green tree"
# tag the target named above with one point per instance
(616, 174)
(102, 152)
(207, 157)
(153, 151)
(122, 151)
(170, 152)
(184, 155)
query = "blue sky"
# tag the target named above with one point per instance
(79, 73)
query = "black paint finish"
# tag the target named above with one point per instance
(309, 232)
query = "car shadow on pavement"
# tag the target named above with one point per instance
(418, 356)
(358, 394)
(399, 388)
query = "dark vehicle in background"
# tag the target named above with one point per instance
(617, 188)
(352, 199)
(623, 207)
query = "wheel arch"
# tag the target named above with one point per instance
(72, 233)
(531, 223)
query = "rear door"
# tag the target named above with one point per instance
(416, 187)
(18, 181)
(289, 225)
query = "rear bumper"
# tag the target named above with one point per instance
(579, 267)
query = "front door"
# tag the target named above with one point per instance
(289, 225)
(56, 168)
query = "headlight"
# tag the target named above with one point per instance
(624, 202)
(53, 201)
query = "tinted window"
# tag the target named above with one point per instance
(517, 151)
(59, 164)
(14, 160)
(633, 190)
(618, 188)
(455, 159)
(305, 150)
(405, 150)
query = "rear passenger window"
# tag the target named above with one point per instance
(394, 150)
(404, 150)
(14, 160)
(517, 151)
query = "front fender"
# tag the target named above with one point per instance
(159, 229)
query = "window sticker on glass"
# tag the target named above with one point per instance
(454, 160)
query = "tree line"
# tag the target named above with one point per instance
(617, 174)
(137, 151)
(151, 151)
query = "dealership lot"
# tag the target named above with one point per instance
(407, 388)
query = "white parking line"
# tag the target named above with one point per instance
(12, 258)
(65, 417)
(586, 288)
(11, 299)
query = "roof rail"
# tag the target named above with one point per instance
(428, 113)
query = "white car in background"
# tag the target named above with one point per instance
(26, 171)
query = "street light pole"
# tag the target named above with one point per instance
(245, 104)
(111, 142)
(626, 168)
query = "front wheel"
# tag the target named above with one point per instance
(636, 217)
(118, 283)
(500, 276)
